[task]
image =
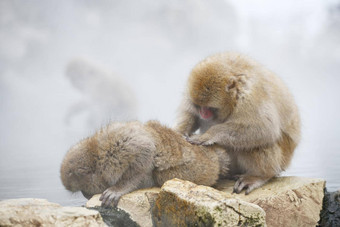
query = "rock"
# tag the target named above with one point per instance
(137, 204)
(40, 212)
(94, 201)
(330, 214)
(182, 203)
(287, 201)
(115, 217)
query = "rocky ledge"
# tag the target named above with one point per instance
(284, 201)
(40, 212)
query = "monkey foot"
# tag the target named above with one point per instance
(249, 183)
(110, 197)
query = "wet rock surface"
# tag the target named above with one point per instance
(114, 217)
(137, 204)
(330, 214)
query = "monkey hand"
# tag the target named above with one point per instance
(185, 136)
(200, 140)
(249, 183)
(110, 197)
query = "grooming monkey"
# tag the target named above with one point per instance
(238, 104)
(123, 157)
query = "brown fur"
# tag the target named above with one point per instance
(255, 116)
(123, 157)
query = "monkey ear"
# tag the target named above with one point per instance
(82, 171)
(237, 86)
(232, 87)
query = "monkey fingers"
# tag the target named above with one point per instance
(199, 140)
(249, 183)
(194, 139)
(208, 143)
(110, 197)
(186, 137)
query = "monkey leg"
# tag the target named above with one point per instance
(256, 167)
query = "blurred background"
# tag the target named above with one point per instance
(69, 67)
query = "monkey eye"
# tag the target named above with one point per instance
(196, 106)
(214, 110)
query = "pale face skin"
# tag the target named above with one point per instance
(206, 113)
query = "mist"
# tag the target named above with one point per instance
(140, 54)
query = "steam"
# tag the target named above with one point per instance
(147, 49)
(106, 96)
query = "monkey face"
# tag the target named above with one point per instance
(88, 195)
(78, 170)
(209, 97)
(211, 88)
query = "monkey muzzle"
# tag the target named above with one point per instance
(206, 112)
(86, 195)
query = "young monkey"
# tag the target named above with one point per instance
(236, 103)
(123, 157)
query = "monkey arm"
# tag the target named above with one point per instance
(187, 124)
(135, 180)
(238, 135)
(187, 121)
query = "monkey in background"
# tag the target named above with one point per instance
(123, 157)
(238, 104)
(104, 95)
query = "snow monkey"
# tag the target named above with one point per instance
(123, 157)
(237, 103)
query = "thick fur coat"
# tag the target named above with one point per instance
(253, 116)
(123, 157)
